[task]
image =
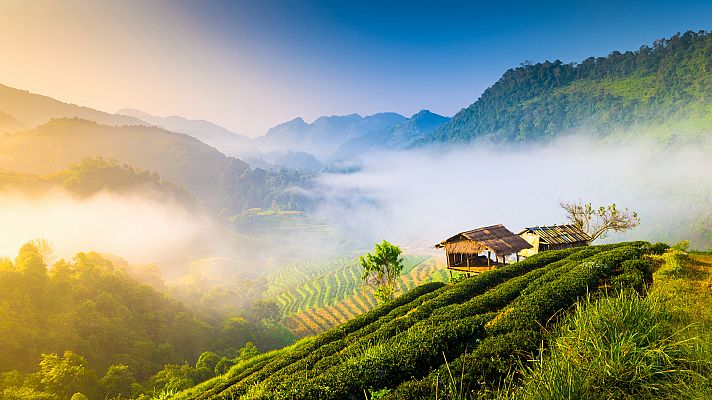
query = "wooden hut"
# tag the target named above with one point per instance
(472, 251)
(555, 237)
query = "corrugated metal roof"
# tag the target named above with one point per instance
(496, 237)
(559, 234)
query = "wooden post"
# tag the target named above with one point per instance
(488, 259)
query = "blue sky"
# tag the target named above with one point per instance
(249, 65)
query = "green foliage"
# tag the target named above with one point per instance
(399, 350)
(382, 268)
(113, 325)
(681, 246)
(66, 375)
(615, 347)
(117, 382)
(668, 81)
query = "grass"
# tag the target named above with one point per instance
(626, 346)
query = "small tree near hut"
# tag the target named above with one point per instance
(382, 269)
(597, 222)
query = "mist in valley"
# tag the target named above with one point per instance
(420, 197)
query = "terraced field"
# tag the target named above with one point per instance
(477, 332)
(317, 295)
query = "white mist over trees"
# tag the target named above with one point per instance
(419, 197)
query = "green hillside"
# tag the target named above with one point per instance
(665, 87)
(400, 349)
(92, 175)
(218, 181)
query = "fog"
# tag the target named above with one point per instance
(418, 198)
(135, 227)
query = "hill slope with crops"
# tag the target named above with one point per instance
(404, 349)
(314, 296)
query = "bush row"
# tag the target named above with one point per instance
(332, 354)
(494, 359)
(409, 355)
(536, 308)
(491, 300)
(401, 340)
(258, 374)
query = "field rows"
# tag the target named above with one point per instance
(318, 319)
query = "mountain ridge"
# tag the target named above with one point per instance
(663, 84)
(33, 109)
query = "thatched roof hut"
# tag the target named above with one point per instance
(554, 237)
(464, 250)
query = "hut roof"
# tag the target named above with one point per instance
(496, 238)
(558, 234)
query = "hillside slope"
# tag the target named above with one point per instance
(93, 175)
(400, 349)
(207, 132)
(664, 89)
(33, 109)
(213, 178)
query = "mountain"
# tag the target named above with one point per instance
(663, 89)
(218, 181)
(296, 160)
(324, 135)
(8, 123)
(395, 137)
(29, 110)
(93, 175)
(207, 132)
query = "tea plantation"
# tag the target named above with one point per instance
(476, 333)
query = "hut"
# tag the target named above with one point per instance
(472, 251)
(555, 237)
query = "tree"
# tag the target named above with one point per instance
(66, 375)
(382, 269)
(117, 382)
(598, 222)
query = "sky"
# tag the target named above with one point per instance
(249, 65)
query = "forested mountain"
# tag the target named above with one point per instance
(396, 137)
(93, 175)
(325, 134)
(31, 110)
(207, 132)
(216, 180)
(665, 87)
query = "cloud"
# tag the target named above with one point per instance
(135, 227)
(420, 197)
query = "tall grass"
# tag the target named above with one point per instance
(628, 347)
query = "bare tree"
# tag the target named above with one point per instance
(597, 222)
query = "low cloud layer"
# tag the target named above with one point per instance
(134, 227)
(418, 198)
